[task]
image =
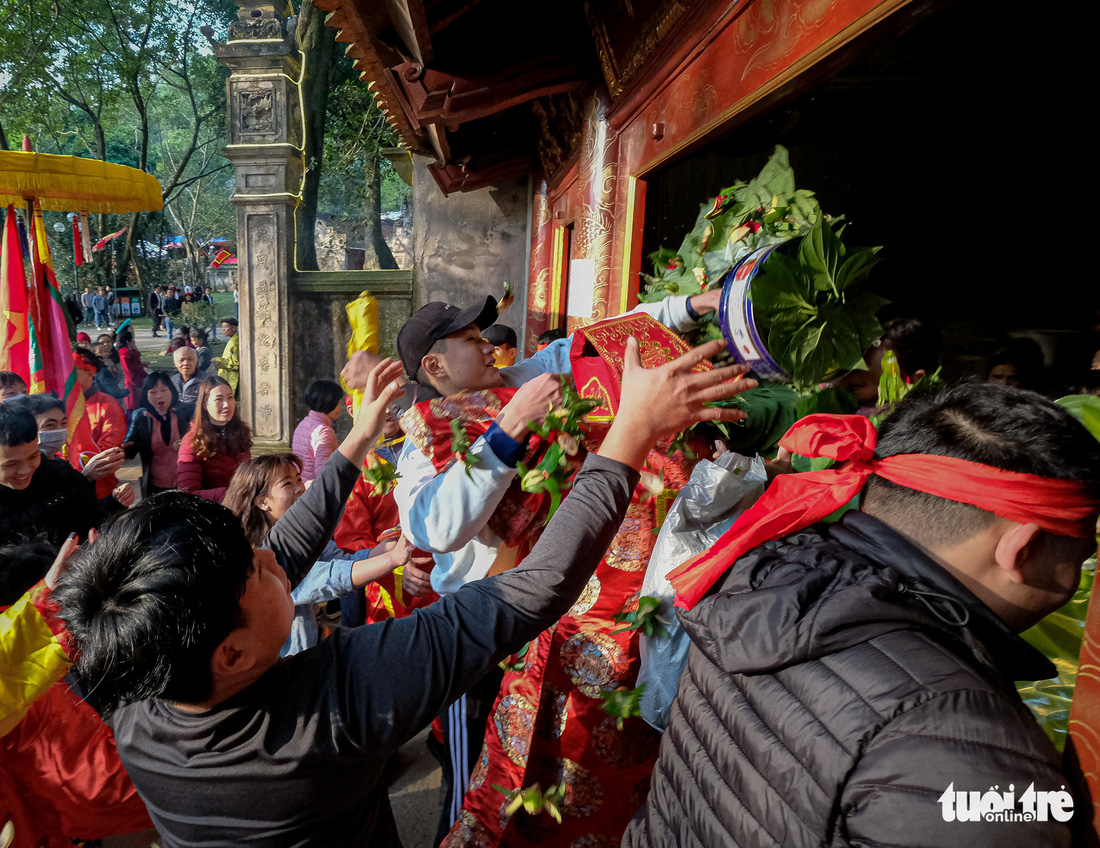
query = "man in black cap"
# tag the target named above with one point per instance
(443, 346)
(504, 342)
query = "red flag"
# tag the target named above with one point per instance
(14, 344)
(221, 256)
(102, 243)
(58, 373)
(78, 250)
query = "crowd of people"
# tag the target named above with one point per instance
(846, 681)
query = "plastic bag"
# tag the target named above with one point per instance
(717, 493)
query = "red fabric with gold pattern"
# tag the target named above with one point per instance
(597, 356)
(548, 723)
(520, 515)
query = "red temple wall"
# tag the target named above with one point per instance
(736, 67)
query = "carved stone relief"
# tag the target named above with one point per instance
(256, 28)
(256, 109)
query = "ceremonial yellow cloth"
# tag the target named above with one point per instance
(31, 658)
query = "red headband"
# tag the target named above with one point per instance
(794, 501)
(80, 362)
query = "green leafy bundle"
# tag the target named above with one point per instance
(766, 210)
(809, 300)
(812, 308)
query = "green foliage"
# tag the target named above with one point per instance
(533, 801)
(460, 445)
(809, 297)
(562, 427)
(645, 618)
(622, 703)
(382, 475)
(199, 314)
(130, 82)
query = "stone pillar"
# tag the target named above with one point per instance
(265, 147)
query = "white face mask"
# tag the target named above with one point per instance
(51, 441)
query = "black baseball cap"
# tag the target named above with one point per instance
(435, 321)
(500, 334)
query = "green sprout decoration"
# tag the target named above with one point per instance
(562, 428)
(533, 801)
(622, 703)
(460, 445)
(645, 619)
(382, 475)
(892, 387)
(520, 663)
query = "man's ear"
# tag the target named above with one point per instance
(432, 366)
(1017, 545)
(231, 657)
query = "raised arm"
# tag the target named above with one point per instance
(455, 640)
(299, 537)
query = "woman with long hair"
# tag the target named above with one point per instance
(261, 492)
(216, 444)
(155, 434)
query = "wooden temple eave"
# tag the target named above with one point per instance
(455, 82)
(356, 27)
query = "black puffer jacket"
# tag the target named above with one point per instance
(831, 697)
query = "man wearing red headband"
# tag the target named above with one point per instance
(852, 683)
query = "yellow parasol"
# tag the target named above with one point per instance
(69, 183)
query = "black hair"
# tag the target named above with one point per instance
(231, 321)
(915, 342)
(124, 338)
(24, 565)
(40, 403)
(17, 425)
(89, 357)
(323, 395)
(11, 380)
(198, 333)
(991, 423)
(157, 378)
(549, 336)
(151, 599)
(500, 334)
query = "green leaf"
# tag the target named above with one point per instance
(819, 253)
(856, 266)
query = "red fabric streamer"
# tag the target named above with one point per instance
(78, 248)
(794, 501)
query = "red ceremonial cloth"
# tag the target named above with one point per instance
(548, 724)
(368, 520)
(520, 516)
(597, 354)
(61, 777)
(794, 501)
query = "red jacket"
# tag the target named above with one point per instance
(206, 478)
(133, 369)
(107, 423)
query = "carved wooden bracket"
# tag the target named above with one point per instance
(467, 177)
(434, 97)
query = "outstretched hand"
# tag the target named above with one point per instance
(382, 387)
(659, 402)
(61, 562)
